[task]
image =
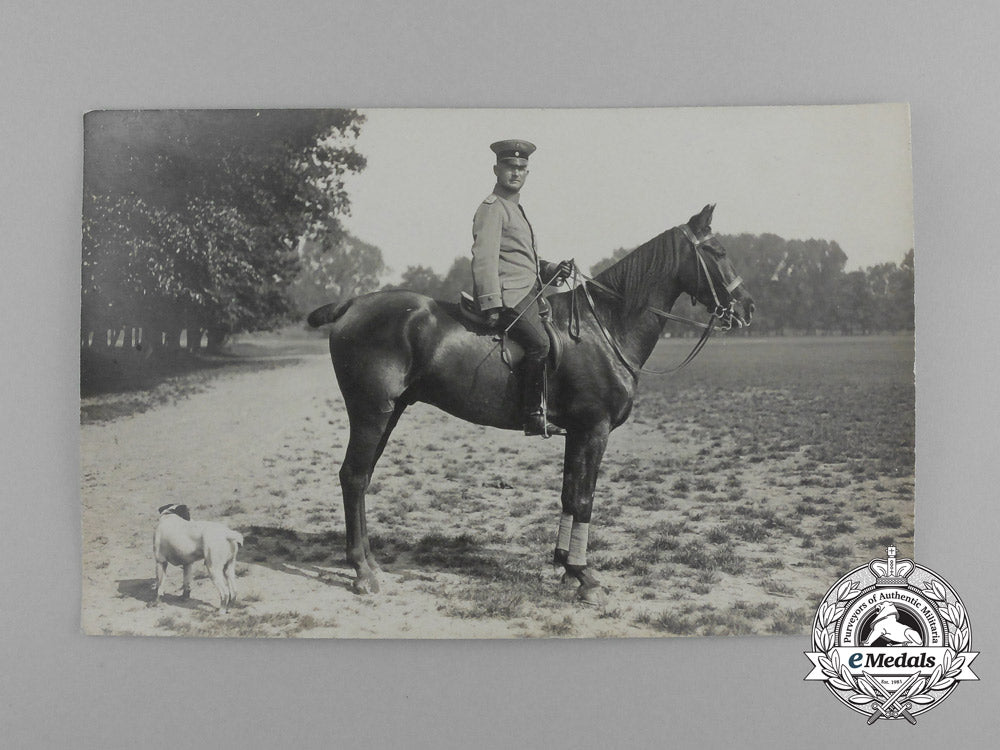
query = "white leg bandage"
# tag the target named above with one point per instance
(565, 530)
(578, 544)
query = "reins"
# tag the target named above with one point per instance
(719, 312)
(633, 368)
(543, 312)
(662, 313)
(582, 280)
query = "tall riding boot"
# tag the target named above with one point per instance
(533, 400)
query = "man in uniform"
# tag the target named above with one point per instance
(508, 275)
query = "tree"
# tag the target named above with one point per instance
(420, 279)
(335, 272)
(855, 310)
(763, 262)
(900, 293)
(425, 280)
(616, 255)
(192, 218)
(457, 280)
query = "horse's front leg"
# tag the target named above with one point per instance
(584, 451)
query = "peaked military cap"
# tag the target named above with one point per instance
(516, 151)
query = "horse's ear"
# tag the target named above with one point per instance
(703, 220)
(706, 213)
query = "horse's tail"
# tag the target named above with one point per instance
(328, 313)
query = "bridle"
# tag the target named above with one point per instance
(724, 313)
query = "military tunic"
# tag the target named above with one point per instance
(505, 263)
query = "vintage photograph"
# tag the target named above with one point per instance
(460, 373)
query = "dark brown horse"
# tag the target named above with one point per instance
(392, 349)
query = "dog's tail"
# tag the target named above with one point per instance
(235, 540)
(328, 313)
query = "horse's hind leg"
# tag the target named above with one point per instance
(369, 433)
(386, 432)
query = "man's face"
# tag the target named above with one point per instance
(511, 175)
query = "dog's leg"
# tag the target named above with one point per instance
(161, 574)
(186, 592)
(219, 579)
(215, 571)
(230, 571)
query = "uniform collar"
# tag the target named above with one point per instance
(514, 201)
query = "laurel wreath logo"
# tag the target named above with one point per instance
(941, 678)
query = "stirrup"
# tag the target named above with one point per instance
(537, 424)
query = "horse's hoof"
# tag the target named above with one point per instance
(366, 585)
(592, 596)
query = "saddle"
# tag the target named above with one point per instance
(510, 350)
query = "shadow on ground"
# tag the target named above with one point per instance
(123, 370)
(314, 555)
(143, 590)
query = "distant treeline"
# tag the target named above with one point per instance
(800, 286)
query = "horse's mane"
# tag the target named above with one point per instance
(643, 271)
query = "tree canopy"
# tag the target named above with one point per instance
(335, 271)
(425, 280)
(192, 219)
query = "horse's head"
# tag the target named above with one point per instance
(712, 280)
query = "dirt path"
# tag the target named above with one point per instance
(233, 453)
(689, 537)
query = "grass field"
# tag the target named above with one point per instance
(847, 400)
(738, 492)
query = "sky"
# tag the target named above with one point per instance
(608, 178)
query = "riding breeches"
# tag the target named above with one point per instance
(528, 331)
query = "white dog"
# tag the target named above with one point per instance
(180, 541)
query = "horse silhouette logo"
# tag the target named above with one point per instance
(887, 626)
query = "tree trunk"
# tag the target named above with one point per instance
(216, 338)
(193, 339)
(150, 340)
(173, 339)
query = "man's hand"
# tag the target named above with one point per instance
(563, 271)
(493, 318)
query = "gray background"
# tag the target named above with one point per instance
(60, 689)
